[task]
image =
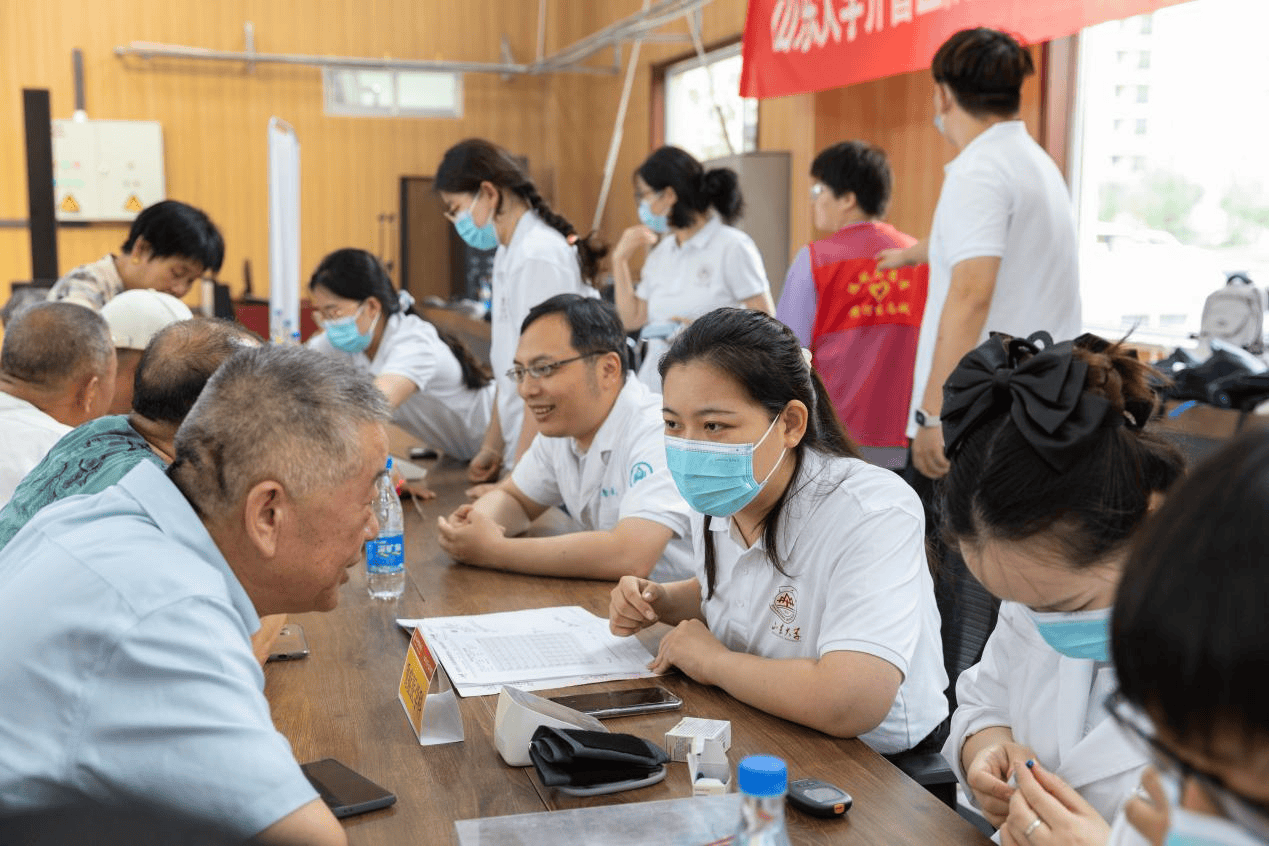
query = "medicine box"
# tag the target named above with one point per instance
(678, 740)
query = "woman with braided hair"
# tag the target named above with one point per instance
(705, 263)
(1053, 471)
(493, 204)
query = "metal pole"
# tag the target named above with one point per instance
(693, 27)
(614, 145)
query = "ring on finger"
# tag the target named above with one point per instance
(1034, 824)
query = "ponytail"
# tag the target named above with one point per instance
(721, 187)
(475, 375)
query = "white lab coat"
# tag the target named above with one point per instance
(1054, 705)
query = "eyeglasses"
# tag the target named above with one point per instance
(322, 317)
(1251, 814)
(817, 189)
(545, 368)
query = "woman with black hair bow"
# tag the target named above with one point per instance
(1052, 473)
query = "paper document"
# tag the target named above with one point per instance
(533, 649)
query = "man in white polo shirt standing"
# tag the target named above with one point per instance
(1002, 248)
(599, 452)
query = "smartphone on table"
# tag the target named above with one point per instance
(290, 644)
(345, 791)
(621, 703)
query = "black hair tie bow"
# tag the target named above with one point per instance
(1044, 394)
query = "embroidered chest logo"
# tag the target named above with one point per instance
(639, 472)
(703, 275)
(785, 607)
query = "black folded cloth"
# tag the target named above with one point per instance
(578, 758)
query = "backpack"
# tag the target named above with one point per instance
(1235, 314)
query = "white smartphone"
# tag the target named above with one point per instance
(621, 703)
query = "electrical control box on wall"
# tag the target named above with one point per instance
(106, 169)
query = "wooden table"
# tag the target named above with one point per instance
(341, 702)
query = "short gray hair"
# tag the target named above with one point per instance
(50, 344)
(281, 413)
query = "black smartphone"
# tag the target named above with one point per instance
(345, 791)
(621, 703)
(290, 644)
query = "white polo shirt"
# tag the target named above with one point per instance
(718, 266)
(852, 539)
(26, 436)
(443, 413)
(622, 475)
(538, 264)
(1003, 196)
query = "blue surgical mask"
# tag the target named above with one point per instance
(656, 222)
(1076, 634)
(716, 479)
(938, 123)
(479, 237)
(1187, 828)
(343, 334)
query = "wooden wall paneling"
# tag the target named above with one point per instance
(214, 116)
(896, 114)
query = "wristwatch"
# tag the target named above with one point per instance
(925, 419)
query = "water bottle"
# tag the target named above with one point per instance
(763, 780)
(385, 555)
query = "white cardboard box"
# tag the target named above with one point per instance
(678, 740)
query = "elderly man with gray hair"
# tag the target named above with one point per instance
(132, 695)
(57, 370)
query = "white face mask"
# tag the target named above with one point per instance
(1187, 828)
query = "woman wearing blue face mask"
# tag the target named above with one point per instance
(494, 205)
(1052, 473)
(812, 599)
(439, 392)
(705, 262)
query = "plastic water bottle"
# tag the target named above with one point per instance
(763, 781)
(385, 555)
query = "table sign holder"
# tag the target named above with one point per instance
(428, 697)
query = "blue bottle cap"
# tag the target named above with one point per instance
(389, 462)
(762, 775)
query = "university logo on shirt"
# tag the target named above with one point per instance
(785, 607)
(639, 472)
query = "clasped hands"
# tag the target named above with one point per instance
(690, 645)
(1043, 810)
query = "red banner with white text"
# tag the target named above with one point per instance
(795, 46)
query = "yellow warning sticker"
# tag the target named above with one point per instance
(133, 204)
(69, 204)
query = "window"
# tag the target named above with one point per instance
(374, 92)
(1169, 175)
(691, 119)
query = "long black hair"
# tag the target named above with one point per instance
(469, 163)
(696, 188)
(355, 274)
(764, 357)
